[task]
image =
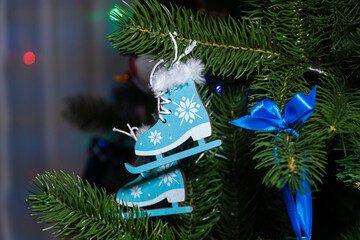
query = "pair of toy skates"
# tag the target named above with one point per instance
(182, 115)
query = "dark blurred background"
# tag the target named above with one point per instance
(72, 56)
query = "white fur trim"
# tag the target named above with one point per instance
(142, 130)
(177, 75)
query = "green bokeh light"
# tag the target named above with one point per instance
(115, 12)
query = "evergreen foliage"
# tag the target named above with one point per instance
(349, 171)
(78, 210)
(91, 113)
(352, 59)
(352, 233)
(243, 199)
(228, 47)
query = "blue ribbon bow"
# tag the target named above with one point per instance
(267, 116)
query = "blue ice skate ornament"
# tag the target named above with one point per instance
(182, 115)
(267, 116)
(164, 182)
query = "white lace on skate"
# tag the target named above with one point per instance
(160, 99)
(130, 134)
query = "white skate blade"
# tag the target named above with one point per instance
(175, 209)
(160, 160)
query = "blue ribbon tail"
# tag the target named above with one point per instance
(300, 214)
(304, 209)
(291, 209)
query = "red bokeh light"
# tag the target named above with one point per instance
(29, 58)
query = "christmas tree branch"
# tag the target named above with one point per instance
(89, 113)
(353, 232)
(315, 30)
(203, 195)
(78, 210)
(349, 167)
(234, 196)
(338, 108)
(93, 113)
(352, 55)
(243, 198)
(228, 46)
(284, 18)
(331, 22)
(295, 154)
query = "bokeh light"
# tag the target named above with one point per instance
(29, 58)
(113, 13)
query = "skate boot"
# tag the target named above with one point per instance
(164, 182)
(182, 115)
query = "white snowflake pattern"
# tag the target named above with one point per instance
(167, 177)
(187, 109)
(136, 191)
(155, 137)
